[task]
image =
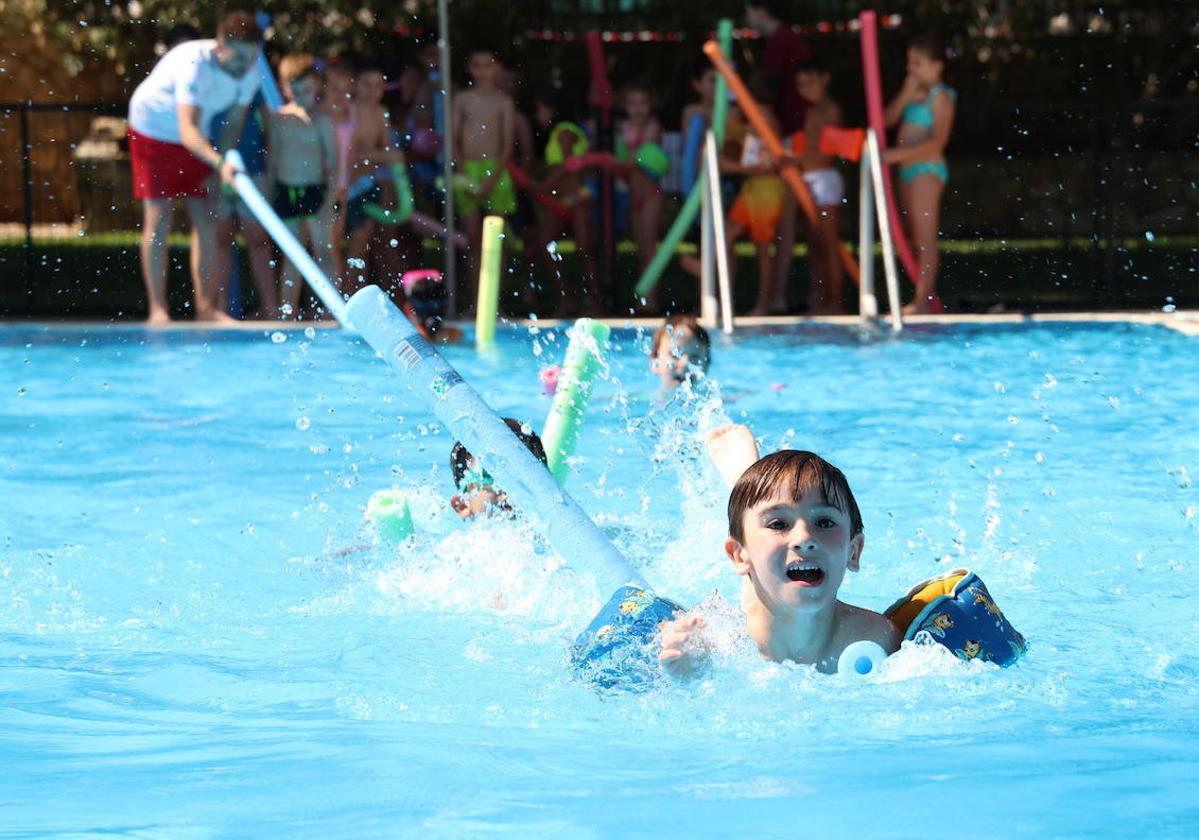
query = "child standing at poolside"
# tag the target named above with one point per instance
(826, 186)
(639, 148)
(484, 143)
(757, 208)
(924, 110)
(303, 167)
(372, 153)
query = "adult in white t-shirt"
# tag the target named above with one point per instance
(171, 155)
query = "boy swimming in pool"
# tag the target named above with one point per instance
(794, 531)
(680, 349)
(477, 492)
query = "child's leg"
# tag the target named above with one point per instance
(357, 273)
(922, 201)
(320, 233)
(261, 252)
(766, 269)
(831, 273)
(290, 283)
(785, 253)
(646, 199)
(584, 213)
(472, 225)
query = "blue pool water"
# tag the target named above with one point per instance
(197, 639)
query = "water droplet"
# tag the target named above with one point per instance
(303, 424)
(278, 337)
(310, 332)
(394, 243)
(20, 392)
(1050, 382)
(1149, 236)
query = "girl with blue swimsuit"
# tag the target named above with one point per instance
(924, 110)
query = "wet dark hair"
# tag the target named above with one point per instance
(180, 33)
(687, 322)
(812, 64)
(777, 9)
(460, 456)
(930, 45)
(795, 473)
(239, 26)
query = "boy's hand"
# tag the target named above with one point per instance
(291, 109)
(683, 653)
(733, 450)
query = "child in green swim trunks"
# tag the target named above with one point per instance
(484, 144)
(924, 111)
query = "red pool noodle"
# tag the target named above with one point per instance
(874, 116)
(789, 172)
(522, 180)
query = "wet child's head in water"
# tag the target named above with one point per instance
(681, 348)
(477, 491)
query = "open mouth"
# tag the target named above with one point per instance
(808, 574)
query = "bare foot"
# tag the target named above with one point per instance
(925, 305)
(215, 315)
(158, 316)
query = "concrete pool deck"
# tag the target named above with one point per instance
(1183, 321)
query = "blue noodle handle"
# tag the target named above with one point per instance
(577, 539)
(695, 142)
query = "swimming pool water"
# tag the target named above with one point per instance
(199, 640)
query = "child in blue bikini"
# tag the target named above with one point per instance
(924, 110)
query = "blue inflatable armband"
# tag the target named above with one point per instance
(957, 611)
(617, 649)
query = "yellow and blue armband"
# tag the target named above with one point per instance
(957, 611)
(617, 649)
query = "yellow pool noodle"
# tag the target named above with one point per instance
(489, 282)
(584, 359)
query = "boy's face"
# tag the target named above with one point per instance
(302, 91)
(236, 57)
(636, 105)
(812, 86)
(484, 69)
(796, 551)
(339, 86)
(368, 87)
(705, 86)
(478, 495)
(677, 354)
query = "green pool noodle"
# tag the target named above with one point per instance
(388, 512)
(399, 173)
(682, 222)
(584, 359)
(489, 282)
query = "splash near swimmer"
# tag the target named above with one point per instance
(572, 392)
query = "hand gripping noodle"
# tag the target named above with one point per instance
(286, 240)
(399, 175)
(614, 649)
(584, 359)
(489, 282)
(387, 511)
(957, 611)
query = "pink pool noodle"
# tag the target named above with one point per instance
(874, 115)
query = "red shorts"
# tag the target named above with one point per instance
(165, 170)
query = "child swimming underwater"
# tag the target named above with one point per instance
(477, 492)
(794, 531)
